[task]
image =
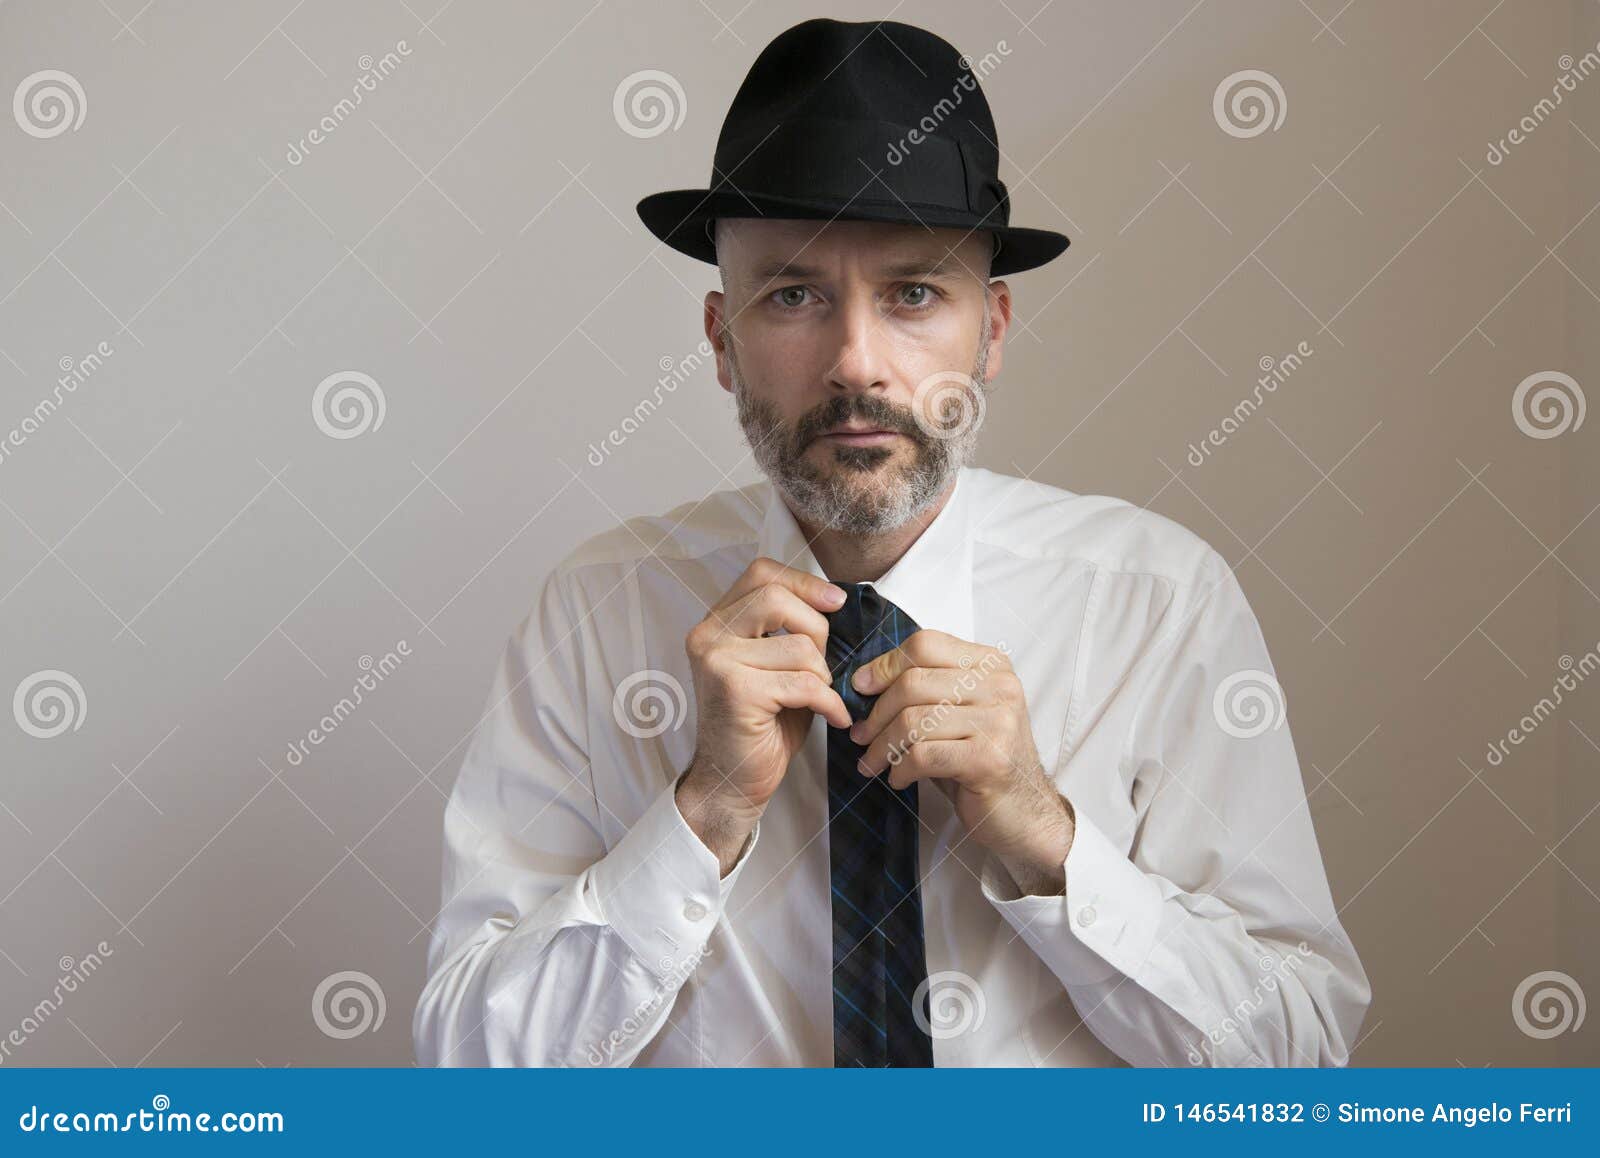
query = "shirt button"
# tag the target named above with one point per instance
(1086, 916)
(694, 911)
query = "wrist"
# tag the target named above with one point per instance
(1039, 867)
(723, 824)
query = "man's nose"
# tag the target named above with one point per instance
(860, 358)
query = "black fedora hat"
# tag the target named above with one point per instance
(869, 121)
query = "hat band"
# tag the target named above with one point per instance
(855, 160)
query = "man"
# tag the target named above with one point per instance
(886, 760)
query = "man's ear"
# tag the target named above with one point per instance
(716, 303)
(999, 323)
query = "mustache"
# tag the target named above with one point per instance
(837, 411)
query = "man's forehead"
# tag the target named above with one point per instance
(773, 247)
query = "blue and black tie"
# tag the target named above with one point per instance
(879, 964)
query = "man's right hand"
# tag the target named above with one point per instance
(755, 696)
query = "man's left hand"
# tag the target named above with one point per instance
(954, 712)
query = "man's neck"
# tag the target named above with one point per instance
(848, 558)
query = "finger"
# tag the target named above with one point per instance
(764, 571)
(946, 761)
(916, 685)
(916, 725)
(803, 689)
(794, 652)
(768, 609)
(920, 649)
(928, 648)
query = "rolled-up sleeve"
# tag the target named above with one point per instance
(1203, 931)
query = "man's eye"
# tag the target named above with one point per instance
(791, 296)
(918, 296)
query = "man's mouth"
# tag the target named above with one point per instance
(860, 436)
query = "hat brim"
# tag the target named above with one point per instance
(681, 218)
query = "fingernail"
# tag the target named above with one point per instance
(834, 594)
(861, 767)
(855, 732)
(862, 679)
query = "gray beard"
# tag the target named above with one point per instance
(830, 500)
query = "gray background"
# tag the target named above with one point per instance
(185, 541)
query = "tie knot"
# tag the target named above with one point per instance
(860, 616)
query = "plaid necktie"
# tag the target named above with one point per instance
(879, 966)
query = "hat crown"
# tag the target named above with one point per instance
(872, 71)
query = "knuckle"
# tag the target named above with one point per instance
(768, 596)
(798, 682)
(717, 665)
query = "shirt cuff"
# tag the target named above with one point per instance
(660, 888)
(1104, 924)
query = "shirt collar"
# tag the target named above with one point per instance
(931, 582)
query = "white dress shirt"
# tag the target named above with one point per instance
(584, 923)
